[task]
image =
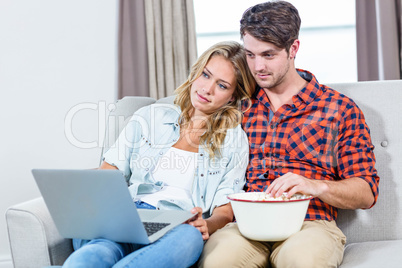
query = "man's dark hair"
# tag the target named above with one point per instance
(276, 22)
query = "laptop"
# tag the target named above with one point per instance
(90, 204)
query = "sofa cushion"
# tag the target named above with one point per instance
(373, 254)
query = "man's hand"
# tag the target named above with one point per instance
(199, 223)
(294, 183)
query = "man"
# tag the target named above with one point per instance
(304, 137)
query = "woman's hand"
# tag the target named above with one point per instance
(219, 218)
(199, 223)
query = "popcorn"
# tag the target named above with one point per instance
(262, 196)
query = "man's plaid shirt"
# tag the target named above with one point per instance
(322, 136)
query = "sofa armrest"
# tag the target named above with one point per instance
(34, 239)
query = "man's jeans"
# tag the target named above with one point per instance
(180, 247)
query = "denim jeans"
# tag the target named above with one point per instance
(180, 247)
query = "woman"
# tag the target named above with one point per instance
(188, 156)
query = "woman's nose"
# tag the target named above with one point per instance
(208, 88)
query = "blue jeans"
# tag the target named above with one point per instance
(180, 247)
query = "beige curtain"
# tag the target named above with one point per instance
(171, 40)
(399, 17)
(133, 60)
(378, 34)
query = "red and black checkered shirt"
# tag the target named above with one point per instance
(322, 136)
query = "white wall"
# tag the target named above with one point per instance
(54, 55)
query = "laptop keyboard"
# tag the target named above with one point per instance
(153, 227)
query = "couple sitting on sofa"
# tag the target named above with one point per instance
(287, 134)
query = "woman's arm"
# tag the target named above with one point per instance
(220, 217)
(233, 181)
(236, 150)
(106, 165)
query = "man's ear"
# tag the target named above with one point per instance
(294, 48)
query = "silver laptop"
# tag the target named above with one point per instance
(90, 204)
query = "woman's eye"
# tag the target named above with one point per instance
(205, 75)
(222, 86)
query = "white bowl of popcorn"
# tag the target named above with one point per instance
(262, 217)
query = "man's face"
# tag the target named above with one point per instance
(268, 63)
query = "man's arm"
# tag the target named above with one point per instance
(352, 193)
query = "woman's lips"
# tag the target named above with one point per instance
(201, 98)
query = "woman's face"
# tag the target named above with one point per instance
(215, 87)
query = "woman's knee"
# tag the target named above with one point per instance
(180, 247)
(188, 235)
(95, 253)
(117, 249)
(189, 230)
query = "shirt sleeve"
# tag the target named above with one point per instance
(356, 151)
(235, 173)
(119, 155)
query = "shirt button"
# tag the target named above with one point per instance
(161, 153)
(146, 169)
(201, 154)
(202, 197)
(272, 126)
(202, 175)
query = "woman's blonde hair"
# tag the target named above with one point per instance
(230, 115)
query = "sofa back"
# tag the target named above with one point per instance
(380, 102)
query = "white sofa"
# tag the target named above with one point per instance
(374, 236)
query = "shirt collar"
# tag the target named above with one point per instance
(311, 91)
(261, 96)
